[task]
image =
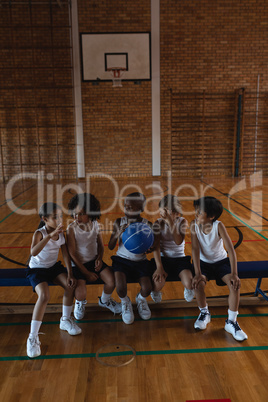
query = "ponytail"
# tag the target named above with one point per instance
(41, 224)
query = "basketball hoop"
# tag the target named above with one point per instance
(117, 74)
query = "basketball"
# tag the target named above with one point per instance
(138, 237)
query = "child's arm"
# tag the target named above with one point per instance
(196, 257)
(159, 273)
(235, 281)
(90, 276)
(116, 233)
(98, 262)
(39, 242)
(71, 281)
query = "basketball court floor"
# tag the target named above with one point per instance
(163, 359)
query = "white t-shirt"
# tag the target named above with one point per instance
(168, 247)
(86, 242)
(211, 244)
(48, 256)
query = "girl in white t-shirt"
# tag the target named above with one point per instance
(86, 249)
(169, 254)
(45, 268)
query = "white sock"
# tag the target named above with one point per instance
(141, 297)
(232, 315)
(105, 297)
(66, 311)
(204, 309)
(124, 299)
(35, 326)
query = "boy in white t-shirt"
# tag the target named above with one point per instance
(211, 262)
(128, 266)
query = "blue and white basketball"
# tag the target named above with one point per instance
(138, 237)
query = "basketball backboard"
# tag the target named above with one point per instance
(103, 51)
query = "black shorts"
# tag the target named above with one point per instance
(216, 271)
(174, 266)
(134, 270)
(90, 266)
(39, 275)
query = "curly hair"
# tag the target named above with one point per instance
(88, 202)
(138, 198)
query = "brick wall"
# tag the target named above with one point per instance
(36, 102)
(205, 45)
(117, 121)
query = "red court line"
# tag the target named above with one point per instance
(209, 400)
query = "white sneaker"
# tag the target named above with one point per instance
(112, 305)
(33, 347)
(156, 296)
(127, 312)
(234, 329)
(79, 309)
(188, 294)
(68, 324)
(202, 320)
(143, 308)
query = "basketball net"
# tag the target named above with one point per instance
(117, 74)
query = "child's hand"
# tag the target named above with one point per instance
(122, 229)
(92, 277)
(158, 276)
(197, 279)
(71, 282)
(59, 229)
(235, 282)
(165, 214)
(98, 264)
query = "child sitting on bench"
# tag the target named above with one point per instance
(211, 262)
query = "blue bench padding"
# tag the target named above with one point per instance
(246, 270)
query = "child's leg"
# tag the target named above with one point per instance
(200, 295)
(142, 305)
(108, 278)
(42, 291)
(80, 291)
(186, 279)
(158, 282)
(121, 284)
(231, 324)
(158, 286)
(204, 317)
(80, 294)
(105, 300)
(33, 344)
(146, 286)
(156, 293)
(66, 322)
(68, 295)
(121, 288)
